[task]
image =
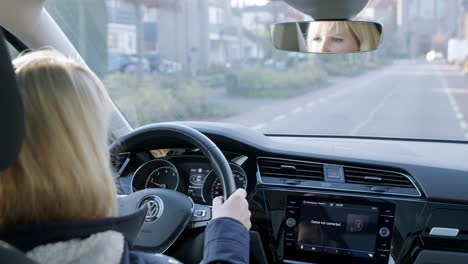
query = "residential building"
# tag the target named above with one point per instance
(198, 34)
(121, 28)
(183, 34)
(122, 35)
(416, 20)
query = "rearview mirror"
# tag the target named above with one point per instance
(327, 36)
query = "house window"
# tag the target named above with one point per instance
(441, 9)
(425, 9)
(215, 15)
(113, 41)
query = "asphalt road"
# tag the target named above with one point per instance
(409, 99)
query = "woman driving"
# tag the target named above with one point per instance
(59, 198)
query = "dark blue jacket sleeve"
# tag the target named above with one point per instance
(226, 241)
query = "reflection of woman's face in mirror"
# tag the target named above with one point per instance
(329, 37)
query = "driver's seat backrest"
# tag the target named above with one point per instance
(11, 110)
(11, 135)
(10, 255)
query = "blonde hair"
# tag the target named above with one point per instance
(63, 170)
(366, 34)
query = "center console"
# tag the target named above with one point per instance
(327, 230)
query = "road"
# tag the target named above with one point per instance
(409, 99)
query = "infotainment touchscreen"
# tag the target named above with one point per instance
(322, 230)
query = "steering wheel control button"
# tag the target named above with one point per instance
(199, 213)
(384, 232)
(154, 205)
(442, 231)
(291, 222)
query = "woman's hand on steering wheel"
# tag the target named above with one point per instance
(235, 207)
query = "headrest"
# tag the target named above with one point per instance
(11, 110)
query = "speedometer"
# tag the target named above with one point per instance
(213, 186)
(239, 178)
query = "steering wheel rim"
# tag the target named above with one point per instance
(142, 135)
(164, 227)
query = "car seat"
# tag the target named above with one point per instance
(11, 135)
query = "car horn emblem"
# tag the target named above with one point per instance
(154, 205)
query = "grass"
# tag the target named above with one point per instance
(162, 98)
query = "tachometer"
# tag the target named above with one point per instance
(163, 177)
(213, 186)
(156, 173)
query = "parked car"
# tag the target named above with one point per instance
(434, 56)
(127, 63)
(158, 63)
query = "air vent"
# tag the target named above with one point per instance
(290, 169)
(377, 177)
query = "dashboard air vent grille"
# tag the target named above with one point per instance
(290, 169)
(377, 177)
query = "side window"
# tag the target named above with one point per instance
(13, 52)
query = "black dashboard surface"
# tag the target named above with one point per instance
(437, 170)
(440, 169)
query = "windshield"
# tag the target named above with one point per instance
(212, 60)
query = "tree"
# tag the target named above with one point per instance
(138, 8)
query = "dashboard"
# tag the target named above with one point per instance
(324, 200)
(185, 170)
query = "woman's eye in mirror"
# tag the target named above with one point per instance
(337, 39)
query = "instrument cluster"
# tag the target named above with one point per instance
(189, 174)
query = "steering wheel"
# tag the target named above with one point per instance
(169, 212)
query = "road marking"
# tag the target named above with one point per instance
(259, 126)
(310, 104)
(453, 103)
(279, 118)
(297, 110)
(463, 125)
(371, 114)
(452, 100)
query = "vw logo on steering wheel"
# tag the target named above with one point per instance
(155, 207)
